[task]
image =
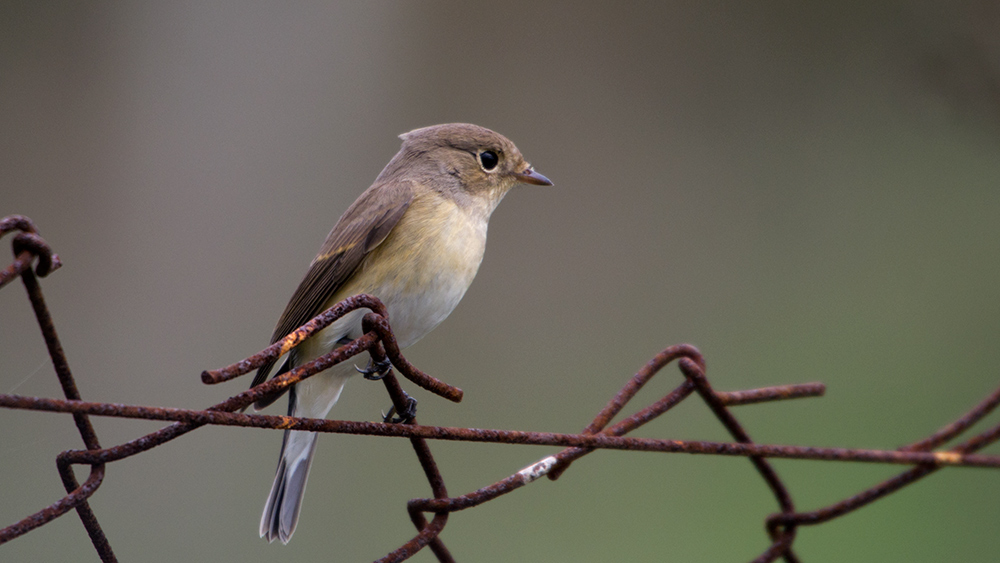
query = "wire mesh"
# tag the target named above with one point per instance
(31, 250)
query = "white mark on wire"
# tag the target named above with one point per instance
(537, 469)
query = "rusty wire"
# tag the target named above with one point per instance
(379, 341)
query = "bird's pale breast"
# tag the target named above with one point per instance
(421, 270)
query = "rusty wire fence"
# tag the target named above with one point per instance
(33, 259)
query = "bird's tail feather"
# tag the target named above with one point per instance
(312, 398)
(281, 512)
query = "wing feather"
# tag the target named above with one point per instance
(365, 224)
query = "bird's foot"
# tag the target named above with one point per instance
(375, 371)
(406, 416)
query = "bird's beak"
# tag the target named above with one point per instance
(529, 176)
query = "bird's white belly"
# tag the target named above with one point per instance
(412, 314)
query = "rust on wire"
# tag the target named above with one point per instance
(610, 439)
(766, 394)
(29, 248)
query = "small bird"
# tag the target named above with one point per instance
(415, 240)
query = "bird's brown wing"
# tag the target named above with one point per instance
(361, 229)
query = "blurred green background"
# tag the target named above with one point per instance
(807, 193)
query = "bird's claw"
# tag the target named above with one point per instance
(375, 371)
(405, 417)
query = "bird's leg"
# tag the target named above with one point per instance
(405, 417)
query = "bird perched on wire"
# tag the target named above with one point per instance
(415, 240)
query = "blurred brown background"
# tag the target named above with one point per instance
(807, 193)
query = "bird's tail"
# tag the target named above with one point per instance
(281, 512)
(313, 398)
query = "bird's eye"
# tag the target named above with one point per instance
(489, 160)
